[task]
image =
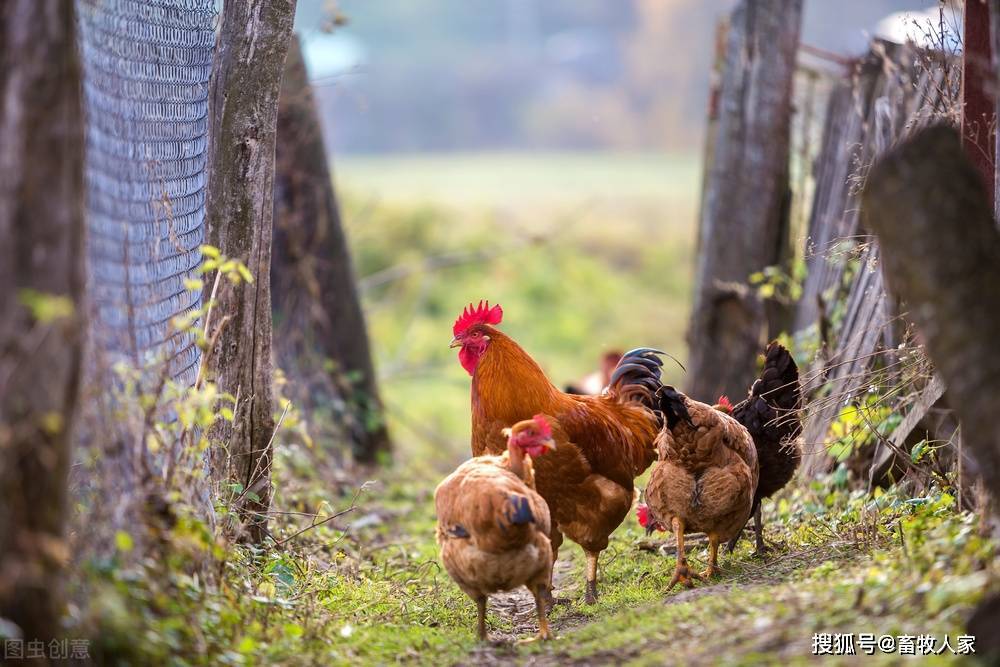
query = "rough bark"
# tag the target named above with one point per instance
(978, 108)
(41, 254)
(995, 50)
(246, 80)
(941, 254)
(314, 289)
(744, 217)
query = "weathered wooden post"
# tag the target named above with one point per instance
(744, 210)
(994, 10)
(315, 293)
(41, 297)
(246, 79)
(978, 104)
(941, 250)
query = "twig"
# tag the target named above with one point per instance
(282, 542)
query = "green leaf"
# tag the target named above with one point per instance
(46, 308)
(245, 273)
(123, 541)
(210, 251)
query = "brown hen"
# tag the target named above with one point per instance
(704, 478)
(493, 527)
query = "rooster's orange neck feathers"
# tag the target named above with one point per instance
(509, 382)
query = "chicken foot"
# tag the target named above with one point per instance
(758, 531)
(682, 573)
(713, 558)
(591, 596)
(542, 595)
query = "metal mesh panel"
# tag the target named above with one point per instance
(146, 70)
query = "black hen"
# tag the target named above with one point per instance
(770, 413)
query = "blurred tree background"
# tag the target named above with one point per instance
(560, 74)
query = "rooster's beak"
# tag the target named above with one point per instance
(455, 342)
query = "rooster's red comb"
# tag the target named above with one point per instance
(724, 402)
(544, 428)
(481, 314)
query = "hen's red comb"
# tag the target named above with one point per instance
(724, 402)
(544, 428)
(642, 514)
(481, 314)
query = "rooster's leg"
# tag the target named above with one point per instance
(592, 557)
(758, 530)
(713, 557)
(556, 538)
(481, 604)
(682, 573)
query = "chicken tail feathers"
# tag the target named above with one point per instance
(771, 407)
(673, 407)
(519, 510)
(637, 376)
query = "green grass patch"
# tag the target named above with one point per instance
(376, 594)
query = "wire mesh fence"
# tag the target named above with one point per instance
(146, 66)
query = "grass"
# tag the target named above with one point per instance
(374, 593)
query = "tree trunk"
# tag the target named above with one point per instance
(314, 293)
(246, 79)
(744, 217)
(941, 254)
(995, 50)
(41, 311)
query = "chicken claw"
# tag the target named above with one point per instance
(541, 593)
(713, 558)
(684, 576)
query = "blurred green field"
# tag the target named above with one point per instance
(585, 252)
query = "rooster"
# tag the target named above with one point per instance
(493, 527)
(606, 441)
(770, 413)
(703, 481)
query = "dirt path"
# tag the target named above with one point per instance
(518, 608)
